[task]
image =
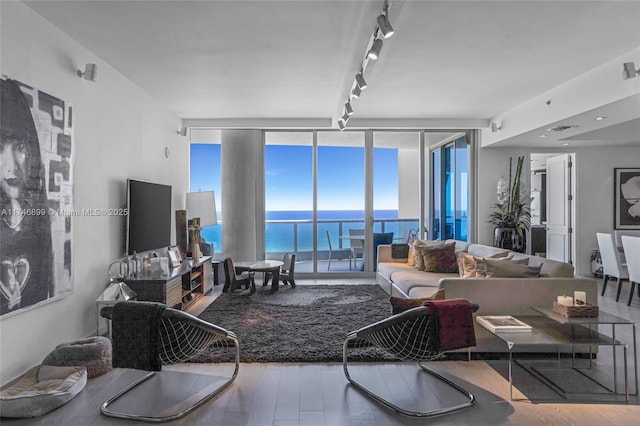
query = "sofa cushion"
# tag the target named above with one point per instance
(479, 250)
(400, 304)
(439, 259)
(473, 266)
(498, 268)
(416, 260)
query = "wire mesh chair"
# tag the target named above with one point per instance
(181, 337)
(407, 336)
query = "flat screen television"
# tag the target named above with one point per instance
(149, 216)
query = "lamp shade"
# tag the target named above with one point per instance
(203, 205)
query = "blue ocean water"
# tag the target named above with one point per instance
(292, 231)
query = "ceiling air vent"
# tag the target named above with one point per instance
(561, 128)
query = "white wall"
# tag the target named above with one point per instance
(594, 191)
(119, 132)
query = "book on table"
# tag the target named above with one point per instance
(502, 323)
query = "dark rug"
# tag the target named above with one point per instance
(307, 323)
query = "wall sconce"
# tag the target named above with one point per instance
(90, 72)
(629, 70)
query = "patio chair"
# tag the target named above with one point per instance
(357, 244)
(339, 254)
(233, 280)
(420, 334)
(147, 335)
(612, 266)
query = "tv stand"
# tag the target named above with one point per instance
(180, 289)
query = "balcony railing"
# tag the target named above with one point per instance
(296, 236)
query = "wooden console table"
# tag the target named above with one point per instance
(180, 289)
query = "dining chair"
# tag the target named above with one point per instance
(232, 280)
(612, 266)
(338, 254)
(357, 244)
(631, 247)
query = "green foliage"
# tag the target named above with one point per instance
(512, 209)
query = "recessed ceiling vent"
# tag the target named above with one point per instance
(561, 128)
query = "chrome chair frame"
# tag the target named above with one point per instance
(385, 335)
(201, 335)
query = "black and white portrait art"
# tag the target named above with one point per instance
(627, 198)
(35, 196)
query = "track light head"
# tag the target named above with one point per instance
(629, 70)
(495, 127)
(376, 47)
(348, 109)
(356, 91)
(385, 26)
(341, 124)
(182, 131)
(360, 81)
(90, 72)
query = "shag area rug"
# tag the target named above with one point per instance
(307, 323)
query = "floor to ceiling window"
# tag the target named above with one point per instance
(204, 175)
(450, 189)
(289, 195)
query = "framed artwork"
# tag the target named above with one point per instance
(174, 256)
(36, 197)
(626, 206)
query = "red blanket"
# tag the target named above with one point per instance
(451, 324)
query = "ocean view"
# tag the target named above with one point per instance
(292, 231)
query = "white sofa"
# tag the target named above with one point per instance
(495, 296)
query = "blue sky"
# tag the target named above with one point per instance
(289, 176)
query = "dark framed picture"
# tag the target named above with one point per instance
(626, 204)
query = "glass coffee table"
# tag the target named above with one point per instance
(554, 331)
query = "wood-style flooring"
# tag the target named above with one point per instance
(319, 394)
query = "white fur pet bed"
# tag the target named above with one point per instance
(41, 389)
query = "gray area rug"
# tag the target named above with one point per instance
(307, 323)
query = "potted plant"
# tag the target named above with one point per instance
(512, 215)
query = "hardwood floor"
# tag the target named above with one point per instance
(319, 394)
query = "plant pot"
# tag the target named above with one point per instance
(508, 238)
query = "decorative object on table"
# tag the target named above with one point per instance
(41, 389)
(565, 300)
(182, 238)
(502, 324)
(175, 257)
(571, 311)
(201, 209)
(579, 298)
(36, 197)
(626, 207)
(94, 353)
(512, 215)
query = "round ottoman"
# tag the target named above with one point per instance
(92, 352)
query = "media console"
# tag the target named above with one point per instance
(180, 289)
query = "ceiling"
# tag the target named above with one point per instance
(448, 60)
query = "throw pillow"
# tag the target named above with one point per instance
(511, 269)
(481, 270)
(439, 259)
(473, 267)
(415, 257)
(399, 305)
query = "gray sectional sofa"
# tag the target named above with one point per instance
(495, 296)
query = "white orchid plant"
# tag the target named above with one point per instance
(512, 208)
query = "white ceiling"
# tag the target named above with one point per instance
(459, 60)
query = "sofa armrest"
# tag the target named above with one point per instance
(513, 296)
